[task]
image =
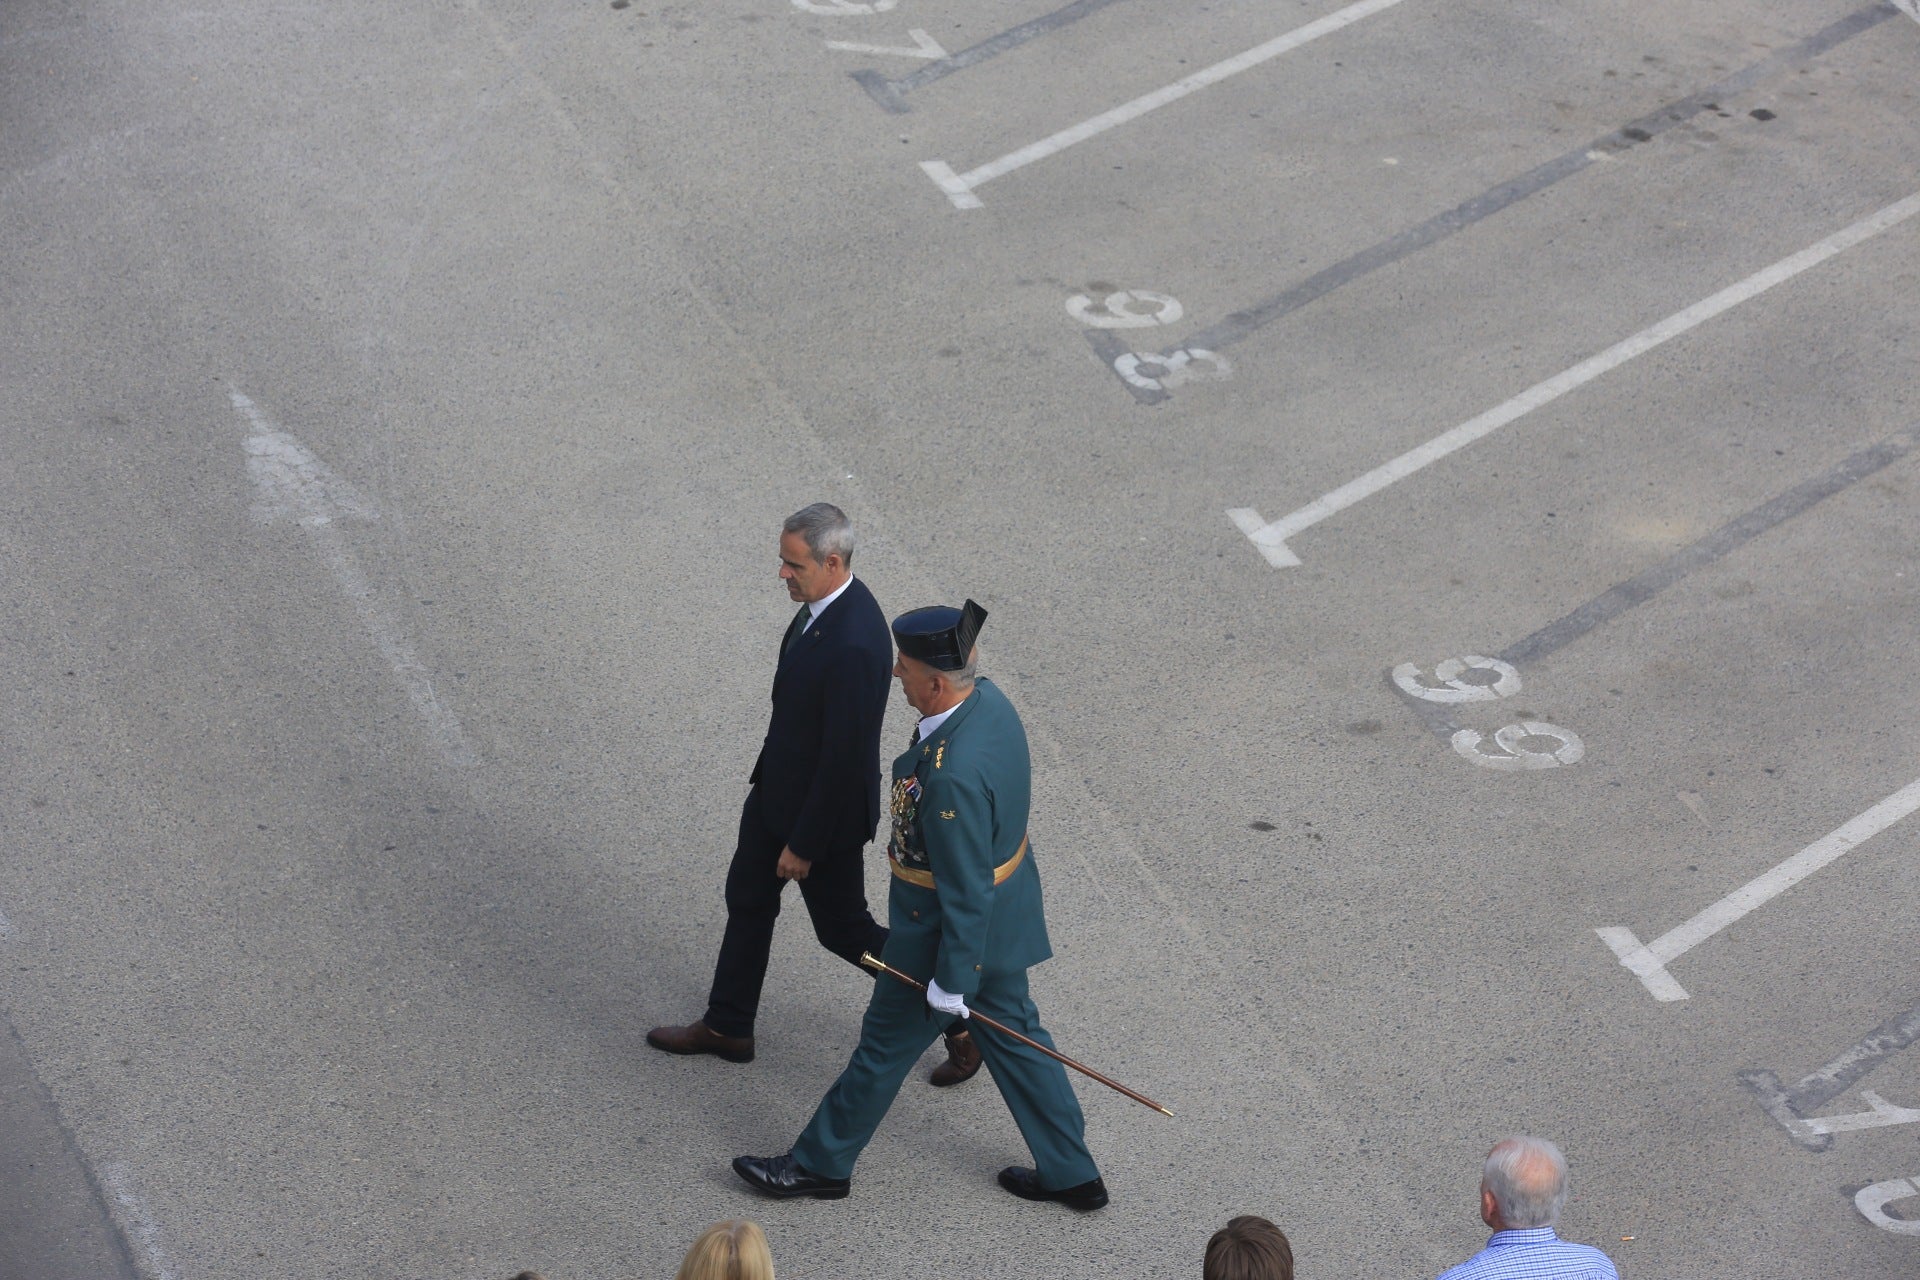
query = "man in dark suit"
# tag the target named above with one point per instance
(815, 797)
(966, 911)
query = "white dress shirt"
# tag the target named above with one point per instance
(817, 607)
(929, 723)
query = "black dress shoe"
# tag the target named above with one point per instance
(1025, 1183)
(782, 1178)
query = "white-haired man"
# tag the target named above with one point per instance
(1522, 1189)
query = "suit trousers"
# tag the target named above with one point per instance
(898, 1028)
(835, 892)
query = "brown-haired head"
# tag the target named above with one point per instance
(1248, 1248)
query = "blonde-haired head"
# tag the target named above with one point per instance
(732, 1250)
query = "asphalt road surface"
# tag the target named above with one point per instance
(1443, 474)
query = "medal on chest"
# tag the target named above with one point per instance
(905, 808)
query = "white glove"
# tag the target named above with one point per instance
(946, 1001)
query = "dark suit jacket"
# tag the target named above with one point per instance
(818, 776)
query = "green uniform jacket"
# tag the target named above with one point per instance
(974, 783)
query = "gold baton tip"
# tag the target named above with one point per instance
(1163, 1111)
(871, 961)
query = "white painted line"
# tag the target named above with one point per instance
(1872, 1203)
(952, 183)
(1909, 7)
(843, 8)
(293, 484)
(925, 46)
(138, 1221)
(959, 187)
(1884, 1113)
(1649, 961)
(1271, 539)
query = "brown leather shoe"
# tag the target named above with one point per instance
(700, 1038)
(963, 1060)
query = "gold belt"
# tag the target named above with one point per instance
(913, 875)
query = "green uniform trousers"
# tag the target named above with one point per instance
(898, 1028)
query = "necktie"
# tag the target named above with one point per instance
(795, 628)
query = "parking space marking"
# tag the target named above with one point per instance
(1270, 539)
(1479, 678)
(1184, 364)
(844, 8)
(1789, 1104)
(1453, 685)
(961, 186)
(892, 94)
(1643, 586)
(1125, 309)
(924, 46)
(1882, 1114)
(1510, 750)
(291, 483)
(1649, 961)
(1245, 323)
(1872, 1203)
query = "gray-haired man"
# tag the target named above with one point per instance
(1522, 1190)
(815, 788)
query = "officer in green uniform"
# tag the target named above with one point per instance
(964, 913)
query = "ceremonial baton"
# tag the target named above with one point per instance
(875, 963)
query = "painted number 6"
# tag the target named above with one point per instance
(1127, 309)
(1872, 1203)
(1494, 679)
(1512, 751)
(1152, 371)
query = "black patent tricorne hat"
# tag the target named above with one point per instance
(939, 635)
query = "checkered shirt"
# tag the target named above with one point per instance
(1536, 1253)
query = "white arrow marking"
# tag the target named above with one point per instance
(1649, 962)
(138, 1220)
(292, 484)
(928, 47)
(1872, 1202)
(1271, 539)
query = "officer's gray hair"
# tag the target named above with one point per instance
(959, 681)
(826, 531)
(1528, 1179)
(965, 676)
